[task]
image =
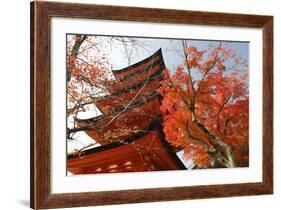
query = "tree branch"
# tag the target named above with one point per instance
(220, 110)
(228, 150)
(188, 69)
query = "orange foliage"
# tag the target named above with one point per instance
(87, 71)
(215, 104)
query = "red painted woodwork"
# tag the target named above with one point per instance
(123, 73)
(116, 127)
(145, 154)
(112, 102)
(140, 78)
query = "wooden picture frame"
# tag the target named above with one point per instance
(41, 14)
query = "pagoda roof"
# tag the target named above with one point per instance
(132, 104)
(136, 73)
(143, 151)
(140, 66)
(123, 122)
(135, 92)
(139, 80)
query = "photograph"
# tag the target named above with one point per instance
(133, 104)
(139, 104)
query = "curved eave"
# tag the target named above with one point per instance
(153, 77)
(135, 80)
(158, 61)
(123, 70)
(155, 125)
(130, 139)
(138, 103)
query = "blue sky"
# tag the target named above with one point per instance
(170, 50)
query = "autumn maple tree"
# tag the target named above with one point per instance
(205, 107)
(89, 73)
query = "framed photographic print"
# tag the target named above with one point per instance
(140, 105)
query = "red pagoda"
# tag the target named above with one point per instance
(130, 129)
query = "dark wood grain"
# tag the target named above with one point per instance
(41, 14)
(268, 104)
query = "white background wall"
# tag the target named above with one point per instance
(14, 106)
